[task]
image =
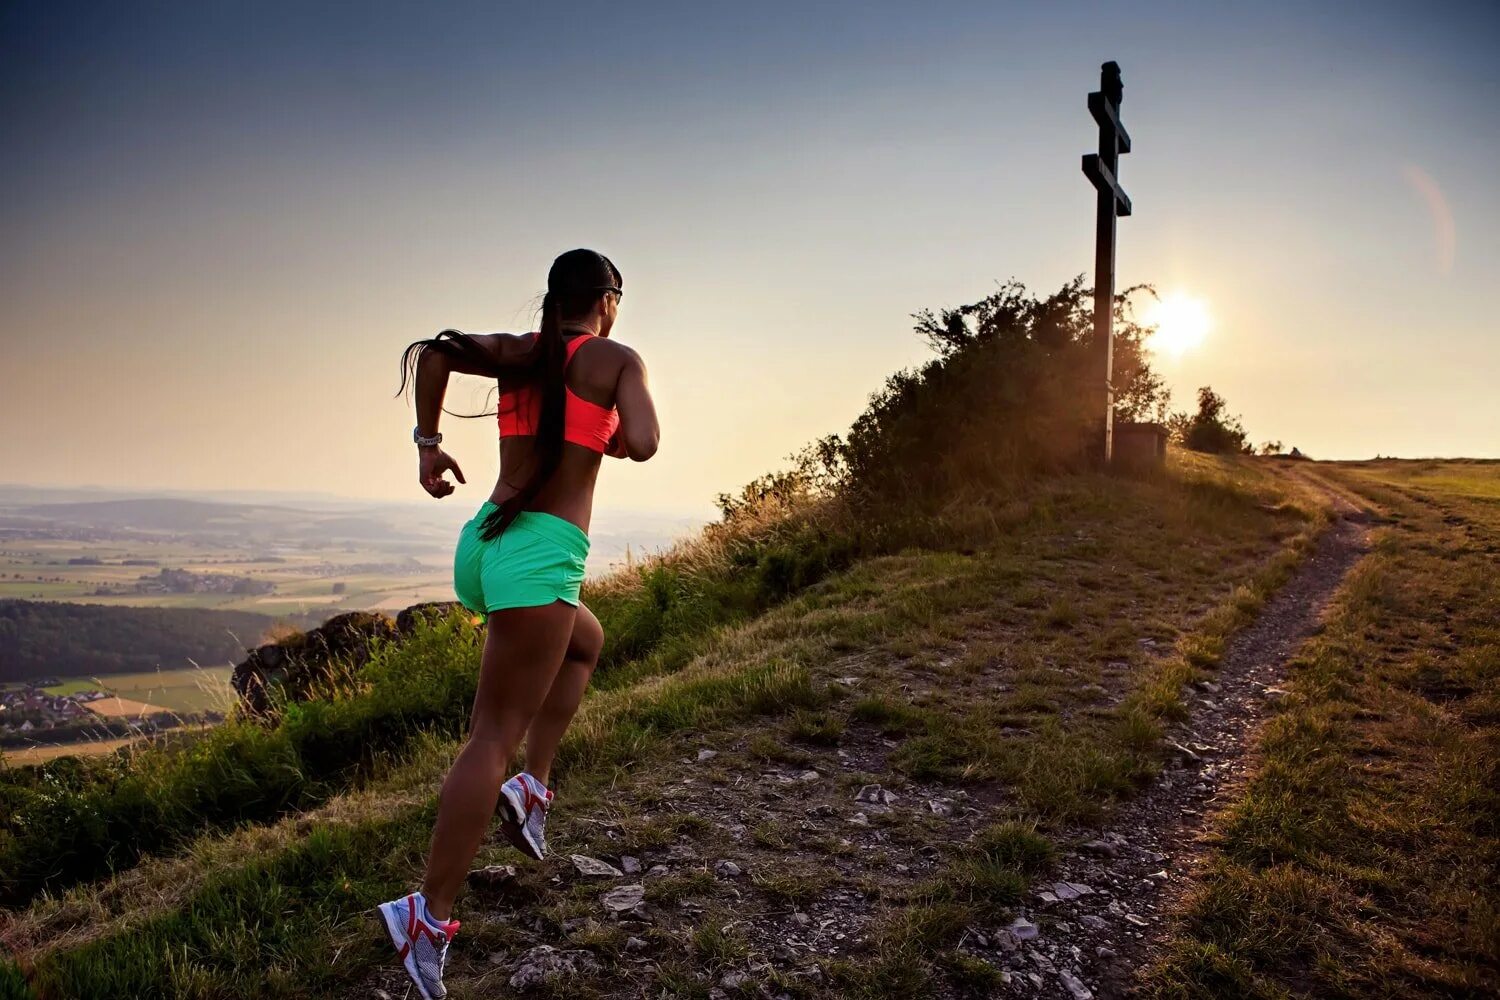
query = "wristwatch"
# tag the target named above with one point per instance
(424, 442)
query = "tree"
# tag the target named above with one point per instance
(1210, 429)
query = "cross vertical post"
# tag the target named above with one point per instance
(1103, 171)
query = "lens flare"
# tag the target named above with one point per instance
(1444, 232)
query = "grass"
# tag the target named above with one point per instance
(717, 946)
(793, 884)
(671, 888)
(931, 638)
(1363, 857)
(309, 883)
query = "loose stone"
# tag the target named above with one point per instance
(1022, 929)
(593, 867)
(876, 795)
(623, 898)
(1102, 848)
(1075, 986)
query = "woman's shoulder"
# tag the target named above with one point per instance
(610, 351)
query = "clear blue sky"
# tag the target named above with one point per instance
(222, 222)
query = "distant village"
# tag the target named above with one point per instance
(181, 581)
(32, 708)
(33, 714)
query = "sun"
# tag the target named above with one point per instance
(1181, 322)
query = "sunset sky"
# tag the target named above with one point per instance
(222, 222)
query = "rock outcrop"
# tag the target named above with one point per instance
(318, 662)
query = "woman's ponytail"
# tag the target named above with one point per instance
(550, 363)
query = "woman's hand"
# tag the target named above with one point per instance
(432, 464)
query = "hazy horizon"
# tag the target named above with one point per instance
(224, 224)
(291, 497)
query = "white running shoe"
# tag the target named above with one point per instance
(523, 813)
(421, 942)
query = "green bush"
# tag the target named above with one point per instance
(1010, 392)
(1210, 430)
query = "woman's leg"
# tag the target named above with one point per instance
(523, 649)
(552, 720)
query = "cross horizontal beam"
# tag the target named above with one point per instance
(1106, 115)
(1103, 180)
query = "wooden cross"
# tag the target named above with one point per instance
(1103, 169)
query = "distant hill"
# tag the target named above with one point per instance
(40, 639)
(212, 520)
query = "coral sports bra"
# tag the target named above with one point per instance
(584, 423)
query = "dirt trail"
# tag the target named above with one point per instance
(1140, 864)
(793, 829)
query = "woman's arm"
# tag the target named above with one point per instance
(639, 432)
(433, 369)
(480, 354)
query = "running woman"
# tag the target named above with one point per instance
(568, 396)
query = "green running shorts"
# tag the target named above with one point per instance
(539, 559)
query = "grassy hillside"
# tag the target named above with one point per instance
(1026, 669)
(1363, 859)
(840, 732)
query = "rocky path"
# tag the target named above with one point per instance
(753, 866)
(1100, 916)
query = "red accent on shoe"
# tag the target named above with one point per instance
(532, 798)
(415, 924)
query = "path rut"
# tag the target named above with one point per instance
(1127, 877)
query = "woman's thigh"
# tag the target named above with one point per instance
(523, 649)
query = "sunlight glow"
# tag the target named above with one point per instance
(1181, 323)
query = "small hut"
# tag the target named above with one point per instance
(1140, 445)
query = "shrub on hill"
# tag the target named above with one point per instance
(1008, 394)
(1211, 430)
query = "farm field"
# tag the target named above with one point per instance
(190, 689)
(22, 756)
(303, 580)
